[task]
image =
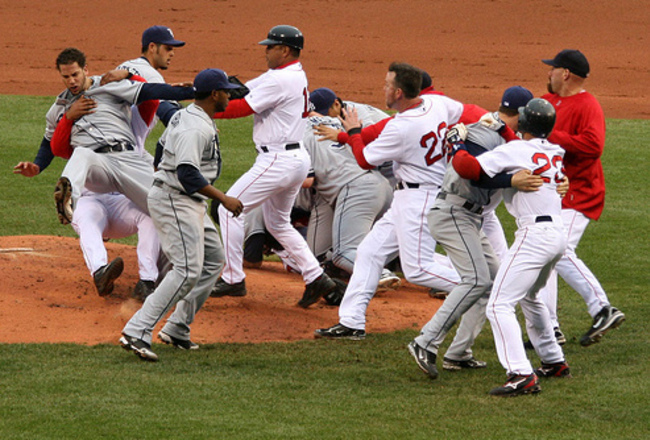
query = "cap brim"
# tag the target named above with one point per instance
(173, 43)
(550, 62)
(269, 42)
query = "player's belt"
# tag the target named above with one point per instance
(122, 146)
(528, 220)
(404, 185)
(464, 203)
(287, 147)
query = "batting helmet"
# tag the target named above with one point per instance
(285, 35)
(537, 118)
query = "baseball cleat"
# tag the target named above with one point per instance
(560, 369)
(339, 331)
(221, 288)
(178, 343)
(139, 347)
(105, 276)
(388, 281)
(453, 365)
(318, 288)
(518, 385)
(559, 336)
(63, 200)
(438, 294)
(143, 289)
(425, 359)
(609, 317)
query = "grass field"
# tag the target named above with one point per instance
(330, 389)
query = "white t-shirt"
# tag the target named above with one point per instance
(537, 155)
(415, 141)
(280, 100)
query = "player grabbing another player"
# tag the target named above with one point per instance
(177, 200)
(414, 140)
(539, 243)
(580, 131)
(279, 101)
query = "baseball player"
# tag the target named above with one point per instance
(414, 140)
(580, 131)
(349, 199)
(279, 101)
(103, 140)
(177, 200)
(456, 221)
(539, 243)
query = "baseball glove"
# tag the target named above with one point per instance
(239, 92)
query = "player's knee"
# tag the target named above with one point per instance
(343, 261)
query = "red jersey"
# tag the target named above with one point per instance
(580, 130)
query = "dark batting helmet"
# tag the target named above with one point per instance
(285, 35)
(537, 118)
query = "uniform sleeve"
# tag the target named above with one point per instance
(504, 158)
(60, 143)
(264, 96)
(386, 147)
(589, 140)
(44, 156)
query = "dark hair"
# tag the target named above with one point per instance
(202, 95)
(508, 111)
(146, 48)
(295, 52)
(71, 55)
(408, 78)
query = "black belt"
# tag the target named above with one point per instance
(122, 146)
(471, 207)
(543, 218)
(287, 147)
(404, 185)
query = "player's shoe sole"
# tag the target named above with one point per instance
(517, 386)
(63, 200)
(139, 347)
(607, 319)
(388, 281)
(178, 343)
(339, 331)
(105, 276)
(425, 359)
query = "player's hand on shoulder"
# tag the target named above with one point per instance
(233, 205)
(525, 181)
(457, 134)
(81, 107)
(114, 76)
(492, 121)
(27, 169)
(326, 133)
(350, 119)
(563, 187)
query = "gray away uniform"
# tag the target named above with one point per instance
(187, 235)
(122, 169)
(455, 222)
(348, 198)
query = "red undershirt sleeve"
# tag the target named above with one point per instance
(237, 108)
(466, 165)
(60, 143)
(357, 145)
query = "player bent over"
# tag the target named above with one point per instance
(177, 202)
(539, 243)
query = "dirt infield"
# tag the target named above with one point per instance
(472, 49)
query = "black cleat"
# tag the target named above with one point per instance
(139, 347)
(425, 359)
(221, 288)
(106, 275)
(469, 364)
(318, 288)
(608, 318)
(143, 289)
(518, 385)
(178, 343)
(560, 369)
(339, 331)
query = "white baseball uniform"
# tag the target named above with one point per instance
(414, 140)
(539, 243)
(187, 235)
(112, 215)
(280, 100)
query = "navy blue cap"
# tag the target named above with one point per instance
(322, 99)
(515, 97)
(426, 81)
(571, 59)
(212, 79)
(160, 35)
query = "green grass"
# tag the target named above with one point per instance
(326, 389)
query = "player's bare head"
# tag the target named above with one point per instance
(407, 78)
(71, 55)
(71, 64)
